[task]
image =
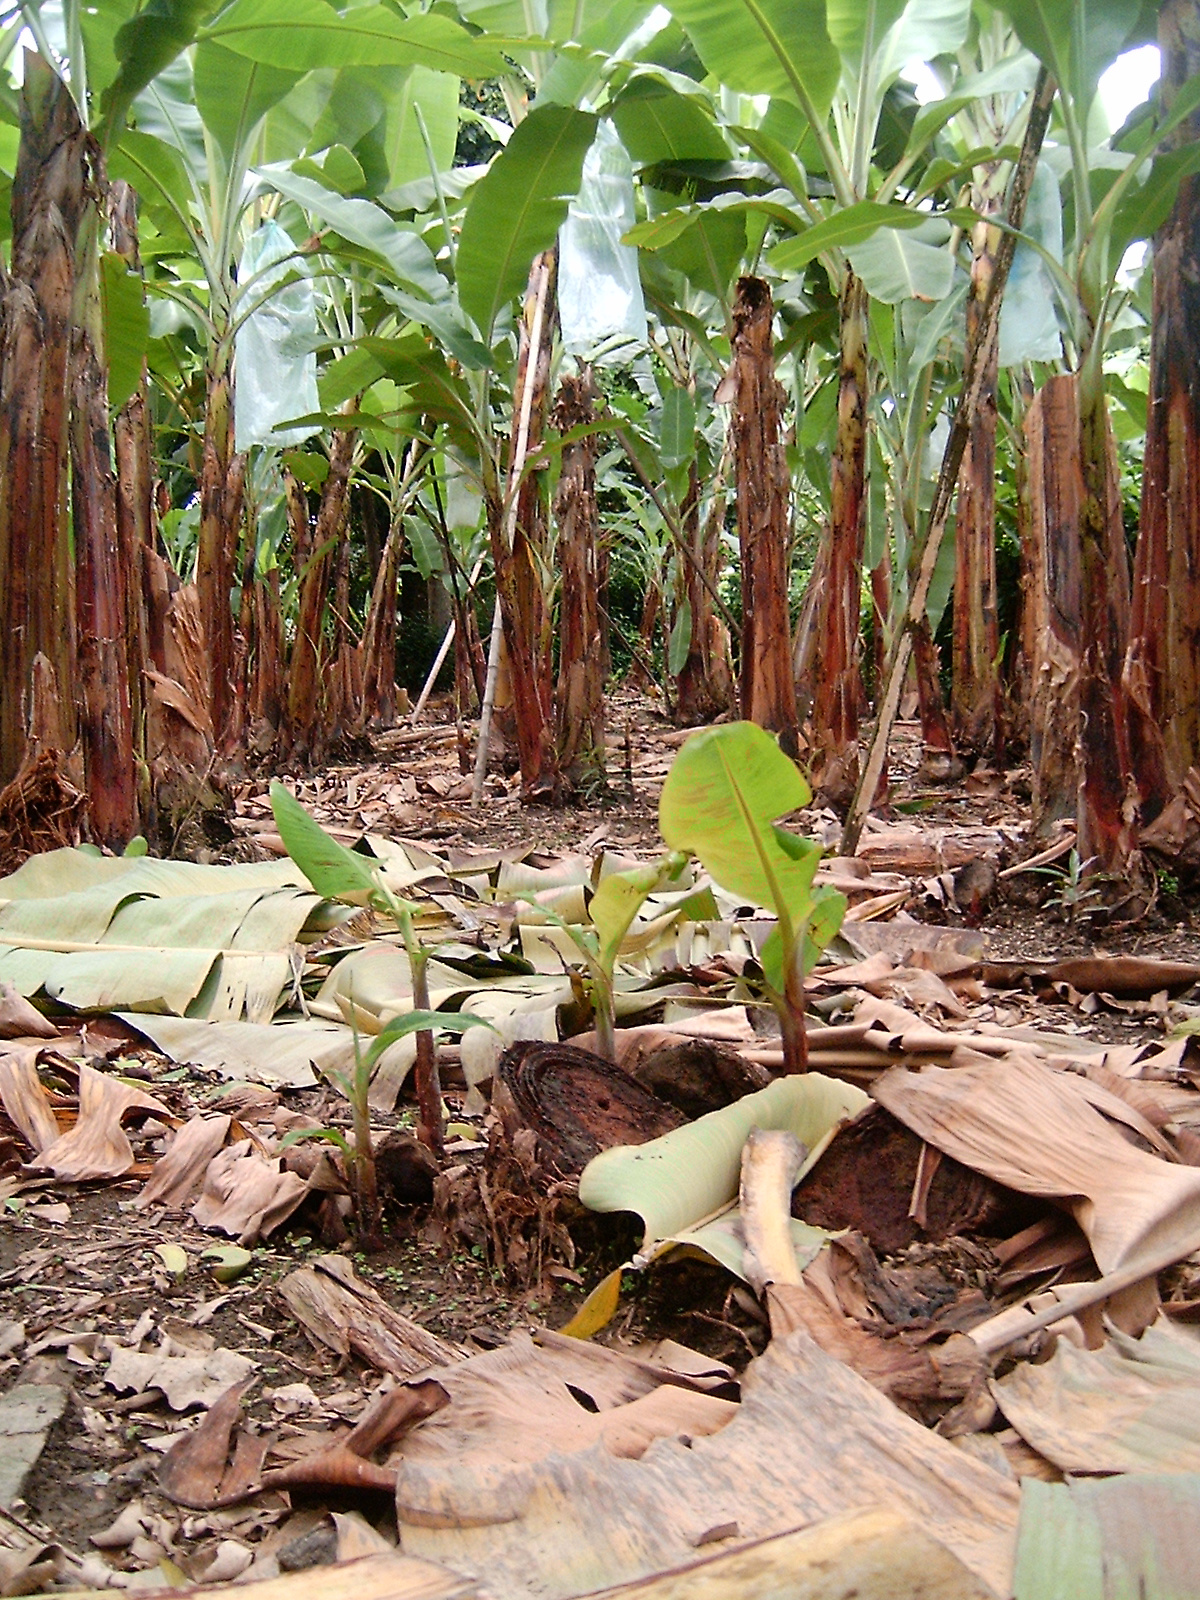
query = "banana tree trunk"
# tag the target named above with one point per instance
(579, 696)
(767, 689)
(516, 530)
(936, 742)
(1106, 819)
(37, 590)
(975, 693)
(102, 600)
(306, 701)
(1162, 672)
(379, 636)
(132, 449)
(1055, 599)
(839, 683)
(220, 512)
(704, 684)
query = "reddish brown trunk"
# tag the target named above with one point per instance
(102, 601)
(1107, 801)
(1020, 687)
(839, 682)
(132, 447)
(218, 550)
(378, 649)
(935, 727)
(579, 696)
(1162, 672)
(767, 690)
(518, 546)
(266, 696)
(806, 653)
(36, 577)
(316, 565)
(704, 684)
(975, 695)
(1055, 600)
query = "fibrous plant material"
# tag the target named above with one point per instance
(838, 691)
(575, 1104)
(337, 1309)
(579, 695)
(1162, 668)
(767, 692)
(35, 575)
(810, 1439)
(39, 810)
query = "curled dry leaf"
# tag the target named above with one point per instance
(197, 1471)
(348, 1464)
(96, 1147)
(181, 1171)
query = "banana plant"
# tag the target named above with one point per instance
(722, 796)
(343, 874)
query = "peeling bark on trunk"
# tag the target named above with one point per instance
(265, 708)
(305, 700)
(36, 577)
(218, 548)
(1162, 669)
(839, 682)
(132, 446)
(1107, 798)
(101, 599)
(935, 727)
(518, 547)
(1020, 690)
(1055, 600)
(806, 653)
(975, 695)
(579, 696)
(704, 686)
(767, 689)
(378, 649)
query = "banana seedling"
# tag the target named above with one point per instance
(342, 874)
(720, 800)
(616, 902)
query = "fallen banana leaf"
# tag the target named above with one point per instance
(196, 1379)
(684, 1184)
(337, 1309)
(180, 1172)
(810, 1440)
(246, 1195)
(1105, 1540)
(197, 1471)
(167, 936)
(1131, 1406)
(870, 1555)
(292, 1053)
(1023, 1124)
(1125, 977)
(543, 1395)
(96, 1147)
(348, 1464)
(390, 1576)
(23, 1098)
(20, 1020)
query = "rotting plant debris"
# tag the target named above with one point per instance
(205, 1382)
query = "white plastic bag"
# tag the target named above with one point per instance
(276, 371)
(599, 291)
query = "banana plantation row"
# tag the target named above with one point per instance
(298, 299)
